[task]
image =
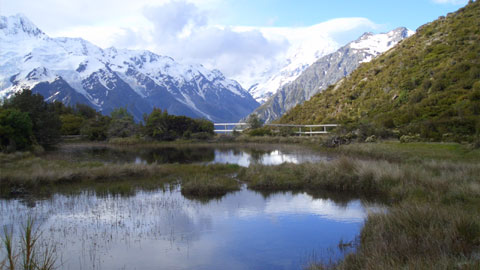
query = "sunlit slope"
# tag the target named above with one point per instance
(429, 84)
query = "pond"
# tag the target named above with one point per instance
(163, 230)
(243, 155)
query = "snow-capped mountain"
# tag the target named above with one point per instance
(73, 70)
(328, 70)
(307, 46)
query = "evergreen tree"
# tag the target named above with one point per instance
(15, 130)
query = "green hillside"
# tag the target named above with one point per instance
(429, 84)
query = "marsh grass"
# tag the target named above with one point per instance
(411, 152)
(218, 139)
(433, 221)
(208, 186)
(37, 175)
(31, 254)
(432, 190)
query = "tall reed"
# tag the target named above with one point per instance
(34, 254)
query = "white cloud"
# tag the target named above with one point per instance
(172, 18)
(182, 29)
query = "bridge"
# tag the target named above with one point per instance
(230, 127)
(307, 129)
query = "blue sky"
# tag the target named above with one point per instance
(391, 14)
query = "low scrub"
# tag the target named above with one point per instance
(208, 186)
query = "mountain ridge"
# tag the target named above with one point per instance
(110, 78)
(428, 86)
(328, 70)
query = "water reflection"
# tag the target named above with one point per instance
(164, 230)
(242, 156)
(274, 157)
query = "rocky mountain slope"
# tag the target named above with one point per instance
(328, 70)
(310, 46)
(73, 70)
(428, 85)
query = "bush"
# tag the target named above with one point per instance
(71, 124)
(254, 121)
(15, 130)
(159, 125)
(201, 136)
(96, 129)
(122, 124)
(260, 132)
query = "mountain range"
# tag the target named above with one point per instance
(427, 86)
(308, 46)
(328, 70)
(73, 70)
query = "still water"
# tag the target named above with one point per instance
(164, 230)
(243, 156)
(161, 229)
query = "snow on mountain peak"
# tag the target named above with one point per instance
(79, 71)
(379, 43)
(328, 70)
(19, 25)
(310, 45)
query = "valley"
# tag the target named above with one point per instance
(110, 158)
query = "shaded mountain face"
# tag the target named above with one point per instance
(73, 70)
(328, 70)
(429, 84)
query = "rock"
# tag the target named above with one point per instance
(371, 139)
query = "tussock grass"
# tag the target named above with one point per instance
(395, 181)
(418, 236)
(433, 221)
(8, 158)
(208, 186)
(33, 174)
(412, 152)
(220, 138)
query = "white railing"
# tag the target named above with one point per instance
(227, 126)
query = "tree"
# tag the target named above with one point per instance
(61, 108)
(95, 129)
(71, 124)
(85, 111)
(160, 125)
(203, 125)
(254, 121)
(46, 122)
(157, 126)
(15, 130)
(122, 124)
